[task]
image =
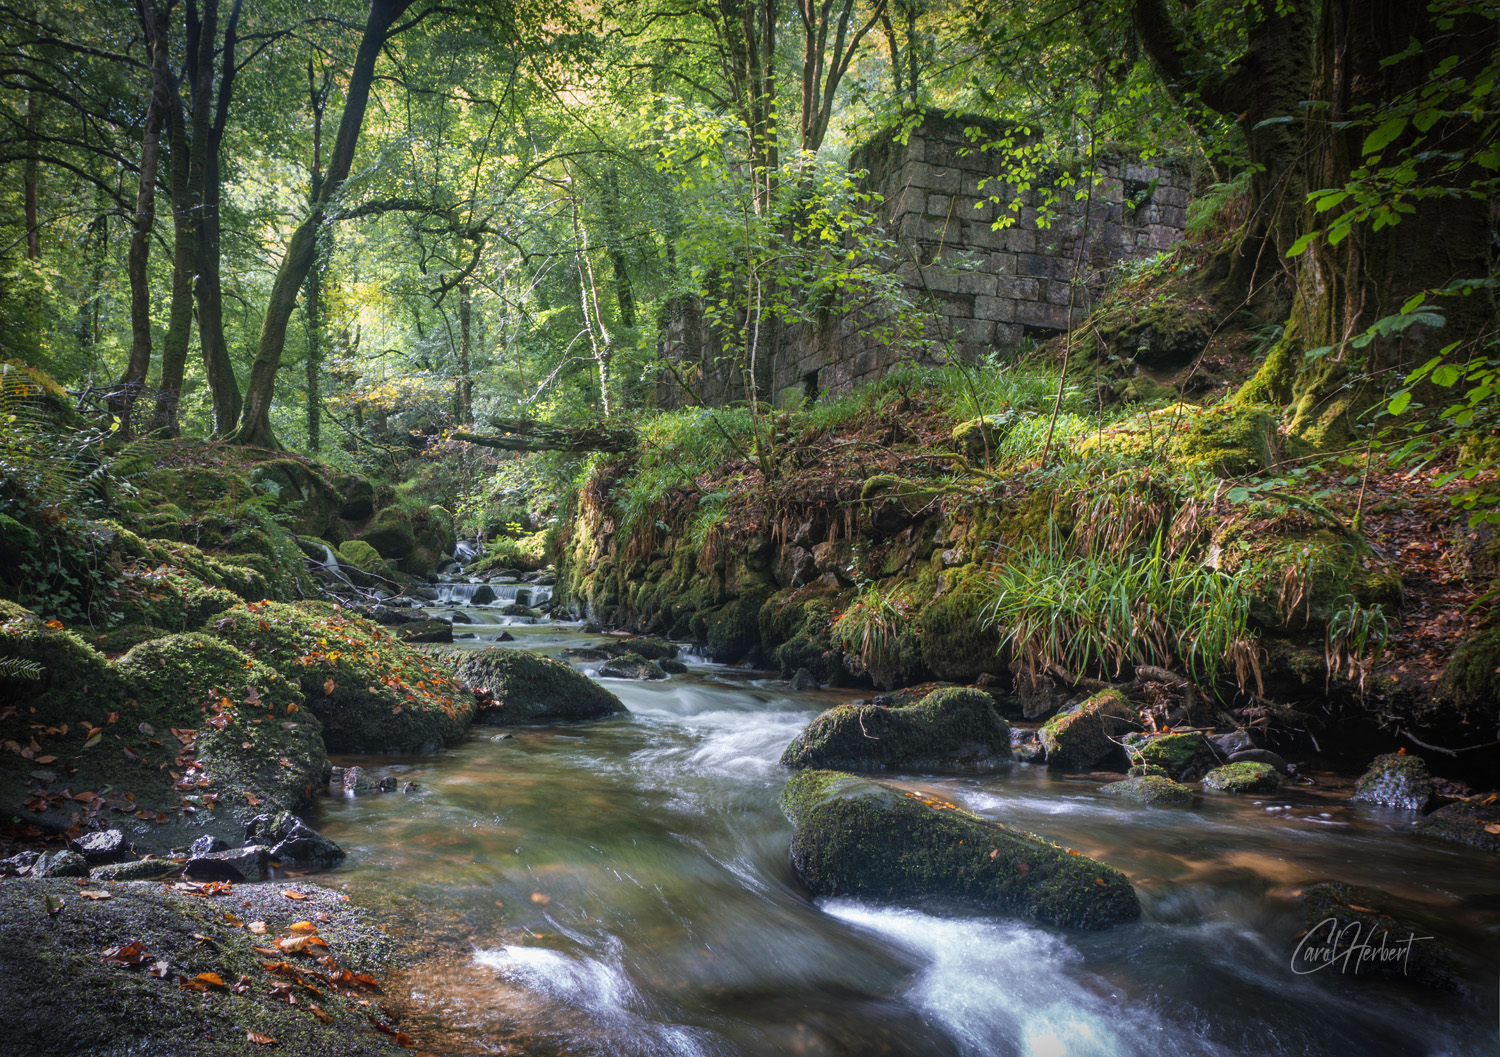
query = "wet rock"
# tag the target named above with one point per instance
(1040, 696)
(1233, 742)
(1347, 935)
(484, 595)
(952, 727)
(410, 787)
(425, 631)
(352, 781)
(1150, 789)
(1469, 822)
(526, 687)
(101, 847)
(19, 864)
(60, 864)
(465, 635)
(802, 680)
(1184, 757)
(672, 666)
(289, 838)
(1242, 778)
(863, 838)
(387, 784)
(1082, 738)
(1396, 780)
(1142, 769)
(631, 666)
(458, 616)
(648, 646)
(207, 845)
(1027, 745)
(237, 864)
(140, 870)
(1265, 756)
(515, 609)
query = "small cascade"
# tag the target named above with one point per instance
(529, 595)
(330, 560)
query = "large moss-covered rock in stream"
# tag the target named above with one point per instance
(360, 554)
(1150, 789)
(1085, 736)
(952, 727)
(648, 647)
(258, 747)
(529, 688)
(59, 998)
(1346, 932)
(862, 838)
(1184, 757)
(372, 692)
(1244, 777)
(1469, 822)
(1396, 780)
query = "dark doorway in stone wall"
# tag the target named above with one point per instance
(810, 386)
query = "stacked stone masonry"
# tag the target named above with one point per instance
(986, 288)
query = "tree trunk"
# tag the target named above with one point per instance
(255, 421)
(219, 371)
(1343, 289)
(465, 397)
(174, 348)
(29, 185)
(154, 25)
(524, 434)
(318, 99)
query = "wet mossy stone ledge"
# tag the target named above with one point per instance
(373, 692)
(59, 998)
(1396, 780)
(1244, 777)
(526, 687)
(858, 837)
(955, 727)
(1150, 789)
(1087, 735)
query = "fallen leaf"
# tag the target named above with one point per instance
(1493, 827)
(329, 686)
(159, 969)
(321, 915)
(1100, 882)
(317, 1011)
(293, 895)
(302, 926)
(232, 921)
(94, 893)
(257, 927)
(259, 1039)
(540, 899)
(203, 982)
(131, 953)
(994, 854)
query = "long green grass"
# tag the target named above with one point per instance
(1100, 612)
(675, 449)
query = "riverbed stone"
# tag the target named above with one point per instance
(101, 846)
(1083, 738)
(63, 863)
(1242, 778)
(1150, 789)
(140, 870)
(249, 863)
(1184, 757)
(18, 864)
(868, 839)
(207, 845)
(289, 838)
(431, 631)
(1348, 933)
(952, 727)
(1265, 756)
(1468, 822)
(631, 666)
(1396, 780)
(529, 688)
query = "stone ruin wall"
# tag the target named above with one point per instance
(985, 289)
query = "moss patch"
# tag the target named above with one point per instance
(1243, 777)
(1082, 738)
(529, 688)
(863, 838)
(1150, 789)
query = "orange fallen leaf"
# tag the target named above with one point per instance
(95, 894)
(127, 954)
(302, 926)
(317, 1011)
(329, 686)
(259, 1039)
(293, 895)
(994, 854)
(540, 899)
(1493, 827)
(202, 982)
(1100, 882)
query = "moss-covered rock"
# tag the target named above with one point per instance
(1345, 932)
(631, 666)
(1230, 440)
(1396, 780)
(305, 500)
(71, 672)
(1472, 674)
(1150, 789)
(360, 554)
(529, 688)
(956, 642)
(1083, 738)
(120, 640)
(1184, 757)
(1141, 769)
(732, 631)
(952, 727)
(61, 999)
(862, 838)
(1468, 822)
(648, 647)
(372, 692)
(1243, 778)
(391, 534)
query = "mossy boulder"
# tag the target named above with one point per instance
(360, 554)
(1472, 675)
(952, 727)
(120, 640)
(647, 647)
(732, 631)
(1150, 789)
(529, 688)
(973, 438)
(72, 673)
(357, 496)
(1184, 757)
(391, 534)
(1085, 736)
(795, 625)
(867, 839)
(1468, 822)
(1396, 780)
(306, 501)
(631, 666)
(373, 692)
(956, 642)
(1340, 923)
(1230, 440)
(891, 503)
(1243, 778)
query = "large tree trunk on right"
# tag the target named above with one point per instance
(1343, 289)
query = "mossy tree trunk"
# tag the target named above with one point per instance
(1342, 289)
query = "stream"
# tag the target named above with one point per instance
(623, 888)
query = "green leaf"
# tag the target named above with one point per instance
(1384, 133)
(1446, 375)
(1399, 402)
(1300, 246)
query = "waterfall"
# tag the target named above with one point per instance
(530, 595)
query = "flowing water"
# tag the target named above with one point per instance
(623, 888)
